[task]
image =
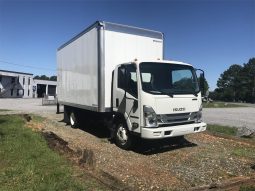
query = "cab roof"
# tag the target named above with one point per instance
(164, 61)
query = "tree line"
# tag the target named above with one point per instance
(237, 83)
(44, 77)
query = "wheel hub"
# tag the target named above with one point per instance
(122, 134)
(71, 120)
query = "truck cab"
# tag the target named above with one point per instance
(154, 100)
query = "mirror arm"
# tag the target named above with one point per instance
(200, 70)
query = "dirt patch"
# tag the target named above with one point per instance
(202, 159)
(229, 185)
(85, 159)
(57, 143)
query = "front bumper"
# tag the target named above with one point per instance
(172, 131)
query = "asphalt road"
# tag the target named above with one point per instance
(235, 117)
(27, 105)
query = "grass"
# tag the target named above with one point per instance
(243, 152)
(247, 188)
(37, 118)
(226, 130)
(221, 105)
(4, 110)
(27, 163)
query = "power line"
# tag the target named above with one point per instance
(27, 66)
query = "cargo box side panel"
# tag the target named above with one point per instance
(78, 71)
(122, 48)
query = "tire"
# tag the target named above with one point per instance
(73, 120)
(122, 136)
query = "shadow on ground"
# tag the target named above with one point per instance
(150, 147)
(253, 166)
(142, 146)
(97, 130)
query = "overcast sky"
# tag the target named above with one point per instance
(211, 35)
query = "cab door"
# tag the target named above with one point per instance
(125, 95)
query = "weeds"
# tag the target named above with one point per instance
(226, 130)
(28, 164)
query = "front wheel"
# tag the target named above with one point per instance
(123, 138)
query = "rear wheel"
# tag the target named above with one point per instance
(73, 120)
(123, 138)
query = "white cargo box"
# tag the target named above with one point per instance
(86, 62)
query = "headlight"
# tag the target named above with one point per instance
(150, 117)
(199, 114)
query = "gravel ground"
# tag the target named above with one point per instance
(235, 117)
(163, 165)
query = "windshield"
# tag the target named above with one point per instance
(164, 78)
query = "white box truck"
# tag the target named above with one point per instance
(116, 74)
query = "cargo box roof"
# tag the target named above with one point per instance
(118, 28)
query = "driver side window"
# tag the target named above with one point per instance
(121, 77)
(127, 79)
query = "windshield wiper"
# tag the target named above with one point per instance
(161, 92)
(170, 94)
(195, 93)
(155, 92)
(167, 93)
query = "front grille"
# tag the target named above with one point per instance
(174, 124)
(174, 119)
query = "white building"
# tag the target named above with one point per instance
(15, 84)
(44, 87)
(22, 85)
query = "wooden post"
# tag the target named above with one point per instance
(57, 108)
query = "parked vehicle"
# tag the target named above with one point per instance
(116, 74)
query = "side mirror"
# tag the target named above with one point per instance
(201, 80)
(202, 83)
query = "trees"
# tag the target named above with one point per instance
(249, 80)
(44, 77)
(206, 85)
(53, 78)
(37, 77)
(237, 83)
(229, 83)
